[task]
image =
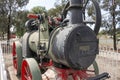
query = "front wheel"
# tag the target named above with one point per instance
(30, 70)
(17, 57)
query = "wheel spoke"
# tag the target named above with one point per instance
(15, 63)
(90, 70)
(27, 77)
(82, 74)
(28, 71)
(27, 74)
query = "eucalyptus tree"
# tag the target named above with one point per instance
(38, 10)
(21, 18)
(59, 5)
(7, 9)
(19, 22)
(112, 17)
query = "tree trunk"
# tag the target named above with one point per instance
(114, 26)
(9, 24)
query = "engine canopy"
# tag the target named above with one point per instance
(74, 46)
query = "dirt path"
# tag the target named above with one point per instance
(105, 65)
(8, 63)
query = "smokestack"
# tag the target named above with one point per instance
(76, 11)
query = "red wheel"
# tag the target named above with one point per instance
(14, 57)
(17, 56)
(26, 71)
(30, 70)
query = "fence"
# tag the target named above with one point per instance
(6, 47)
(109, 61)
(3, 74)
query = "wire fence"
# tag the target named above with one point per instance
(6, 48)
(109, 61)
(3, 74)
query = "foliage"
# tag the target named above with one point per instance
(113, 17)
(38, 10)
(8, 10)
(59, 5)
(20, 19)
(110, 32)
(118, 33)
(107, 6)
(3, 22)
(55, 11)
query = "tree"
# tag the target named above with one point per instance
(3, 26)
(112, 8)
(55, 11)
(7, 8)
(19, 22)
(21, 18)
(38, 10)
(59, 5)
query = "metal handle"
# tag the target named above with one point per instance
(32, 16)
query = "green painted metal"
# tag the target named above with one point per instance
(19, 56)
(33, 41)
(96, 69)
(44, 37)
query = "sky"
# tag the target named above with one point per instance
(45, 3)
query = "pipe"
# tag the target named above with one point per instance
(76, 11)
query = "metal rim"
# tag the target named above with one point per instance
(95, 69)
(17, 57)
(30, 70)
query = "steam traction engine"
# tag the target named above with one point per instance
(67, 48)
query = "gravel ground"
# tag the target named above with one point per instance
(8, 63)
(105, 65)
(110, 66)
